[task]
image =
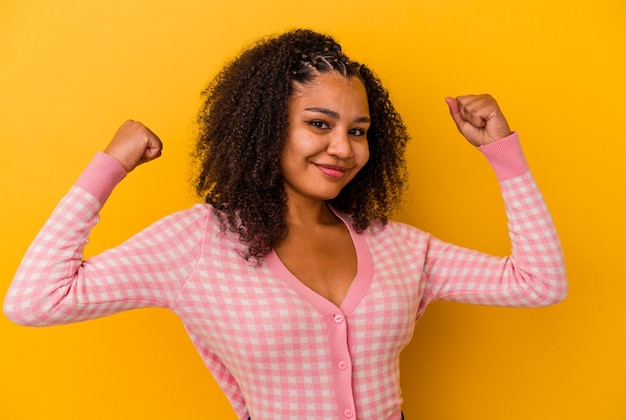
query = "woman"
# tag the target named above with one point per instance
(295, 288)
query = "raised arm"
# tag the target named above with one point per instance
(534, 273)
(55, 285)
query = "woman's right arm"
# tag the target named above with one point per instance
(54, 285)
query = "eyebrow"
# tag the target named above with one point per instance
(335, 115)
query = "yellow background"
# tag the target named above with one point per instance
(72, 71)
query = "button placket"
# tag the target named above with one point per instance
(342, 363)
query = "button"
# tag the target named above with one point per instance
(348, 413)
(342, 365)
(338, 318)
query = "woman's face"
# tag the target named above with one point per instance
(326, 144)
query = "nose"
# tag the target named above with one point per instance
(340, 145)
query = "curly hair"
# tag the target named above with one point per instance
(242, 128)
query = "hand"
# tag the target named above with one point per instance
(478, 118)
(134, 144)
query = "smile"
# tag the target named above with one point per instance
(332, 171)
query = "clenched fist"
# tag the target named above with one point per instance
(478, 118)
(134, 144)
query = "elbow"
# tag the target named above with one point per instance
(18, 314)
(557, 286)
(556, 296)
(562, 292)
(12, 314)
(550, 291)
(23, 311)
(31, 302)
(541, 287)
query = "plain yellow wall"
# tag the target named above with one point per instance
(72, 71)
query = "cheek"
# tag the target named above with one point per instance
(299, 143)
(290, 150)
(362, 154)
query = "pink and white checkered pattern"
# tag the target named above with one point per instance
(278, 349)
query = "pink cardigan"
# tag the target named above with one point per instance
(278, 349)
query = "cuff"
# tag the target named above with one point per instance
(506, 157)
(100, 177)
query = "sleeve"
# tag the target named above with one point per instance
(533, 275)
(54, 285)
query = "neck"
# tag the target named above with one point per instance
(309, 214)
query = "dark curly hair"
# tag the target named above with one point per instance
(242, 129)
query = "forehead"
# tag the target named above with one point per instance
(331, 89)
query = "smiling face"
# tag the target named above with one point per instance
(326, 143)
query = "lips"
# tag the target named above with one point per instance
(332, 171)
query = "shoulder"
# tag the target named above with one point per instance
(393, 227)
(202, 214)
(395, 232)
(198, 220)
(380, 232)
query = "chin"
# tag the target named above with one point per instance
(325, 197)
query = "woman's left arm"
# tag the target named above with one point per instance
(534, 273)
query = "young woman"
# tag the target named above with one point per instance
(297, 291)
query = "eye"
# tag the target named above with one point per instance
(319, 124)
(358, 132)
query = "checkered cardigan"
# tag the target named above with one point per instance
(277, 349)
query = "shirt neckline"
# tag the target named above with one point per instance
(358, 288)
